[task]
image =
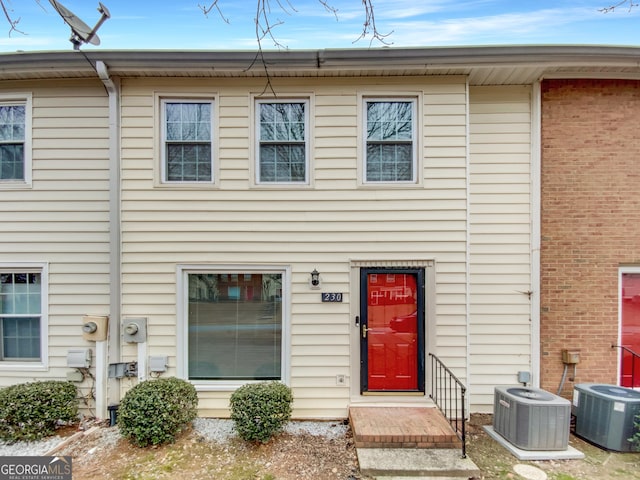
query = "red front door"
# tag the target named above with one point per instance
(630, 333)
(392, 330)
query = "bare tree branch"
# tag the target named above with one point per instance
(207, 9)
(329, 8)
(13, 23)
(265, 25)
(612, 8)
(265, 29)
(369, 26)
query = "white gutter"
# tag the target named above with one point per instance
(108, 390)
(577, 59)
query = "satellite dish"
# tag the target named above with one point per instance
(80, 31)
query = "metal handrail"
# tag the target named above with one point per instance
(634, 356)
(448, 393)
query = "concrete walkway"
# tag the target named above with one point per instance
(405, 464)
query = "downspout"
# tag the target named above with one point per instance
(108, 389)
(469, 379)
(536, 169)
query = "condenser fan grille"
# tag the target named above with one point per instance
(532, 394)
(616, 391)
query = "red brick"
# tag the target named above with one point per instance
(590, 221)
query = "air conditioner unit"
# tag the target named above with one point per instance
(605, 415)
(531, 418)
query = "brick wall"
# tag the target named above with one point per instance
(590, 221)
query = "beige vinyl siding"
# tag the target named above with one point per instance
(63, 219)
(325, 225)
(500, 236)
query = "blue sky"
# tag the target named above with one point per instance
(180, 24)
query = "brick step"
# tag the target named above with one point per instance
(401, 427)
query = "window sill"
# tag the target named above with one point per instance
(390, 185)
(17, 185)
(22, 367)
(222, 386)
(187, 186)
(281, 186)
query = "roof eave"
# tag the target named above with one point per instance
(316, 62)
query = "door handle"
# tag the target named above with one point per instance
(364, 331)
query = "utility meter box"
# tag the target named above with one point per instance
(95, 327)
(158, 363)
(134, 330)
(570, 357)
(123, 369)
(79, 358)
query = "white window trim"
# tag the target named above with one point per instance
(415, 99)
(622, 270)
(24, 98)
(183, 323)
(43, 364)
(161, 100)
(307, 100)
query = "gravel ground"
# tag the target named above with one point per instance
(220, 430)
(212, 429)
(28, 449)
(306, 450)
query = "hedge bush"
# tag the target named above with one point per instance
(155, 411)
(260, 410)
(31, 411)
(635, 440)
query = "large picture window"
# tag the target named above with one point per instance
(234, 325)
(20, 315)
(282, 142)
(390, 147)
(187, 141)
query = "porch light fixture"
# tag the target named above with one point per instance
(314, 281)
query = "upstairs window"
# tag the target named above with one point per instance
(390, 143)
(283, 155)
(187, 141)
(13, 136)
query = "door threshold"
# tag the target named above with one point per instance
(394, 394)
(388, 402)
(391, 399)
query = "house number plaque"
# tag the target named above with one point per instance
(331, 297)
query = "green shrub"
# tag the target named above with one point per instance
(260, 410)
(31, 411)
(635, 440)
(154, 411)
